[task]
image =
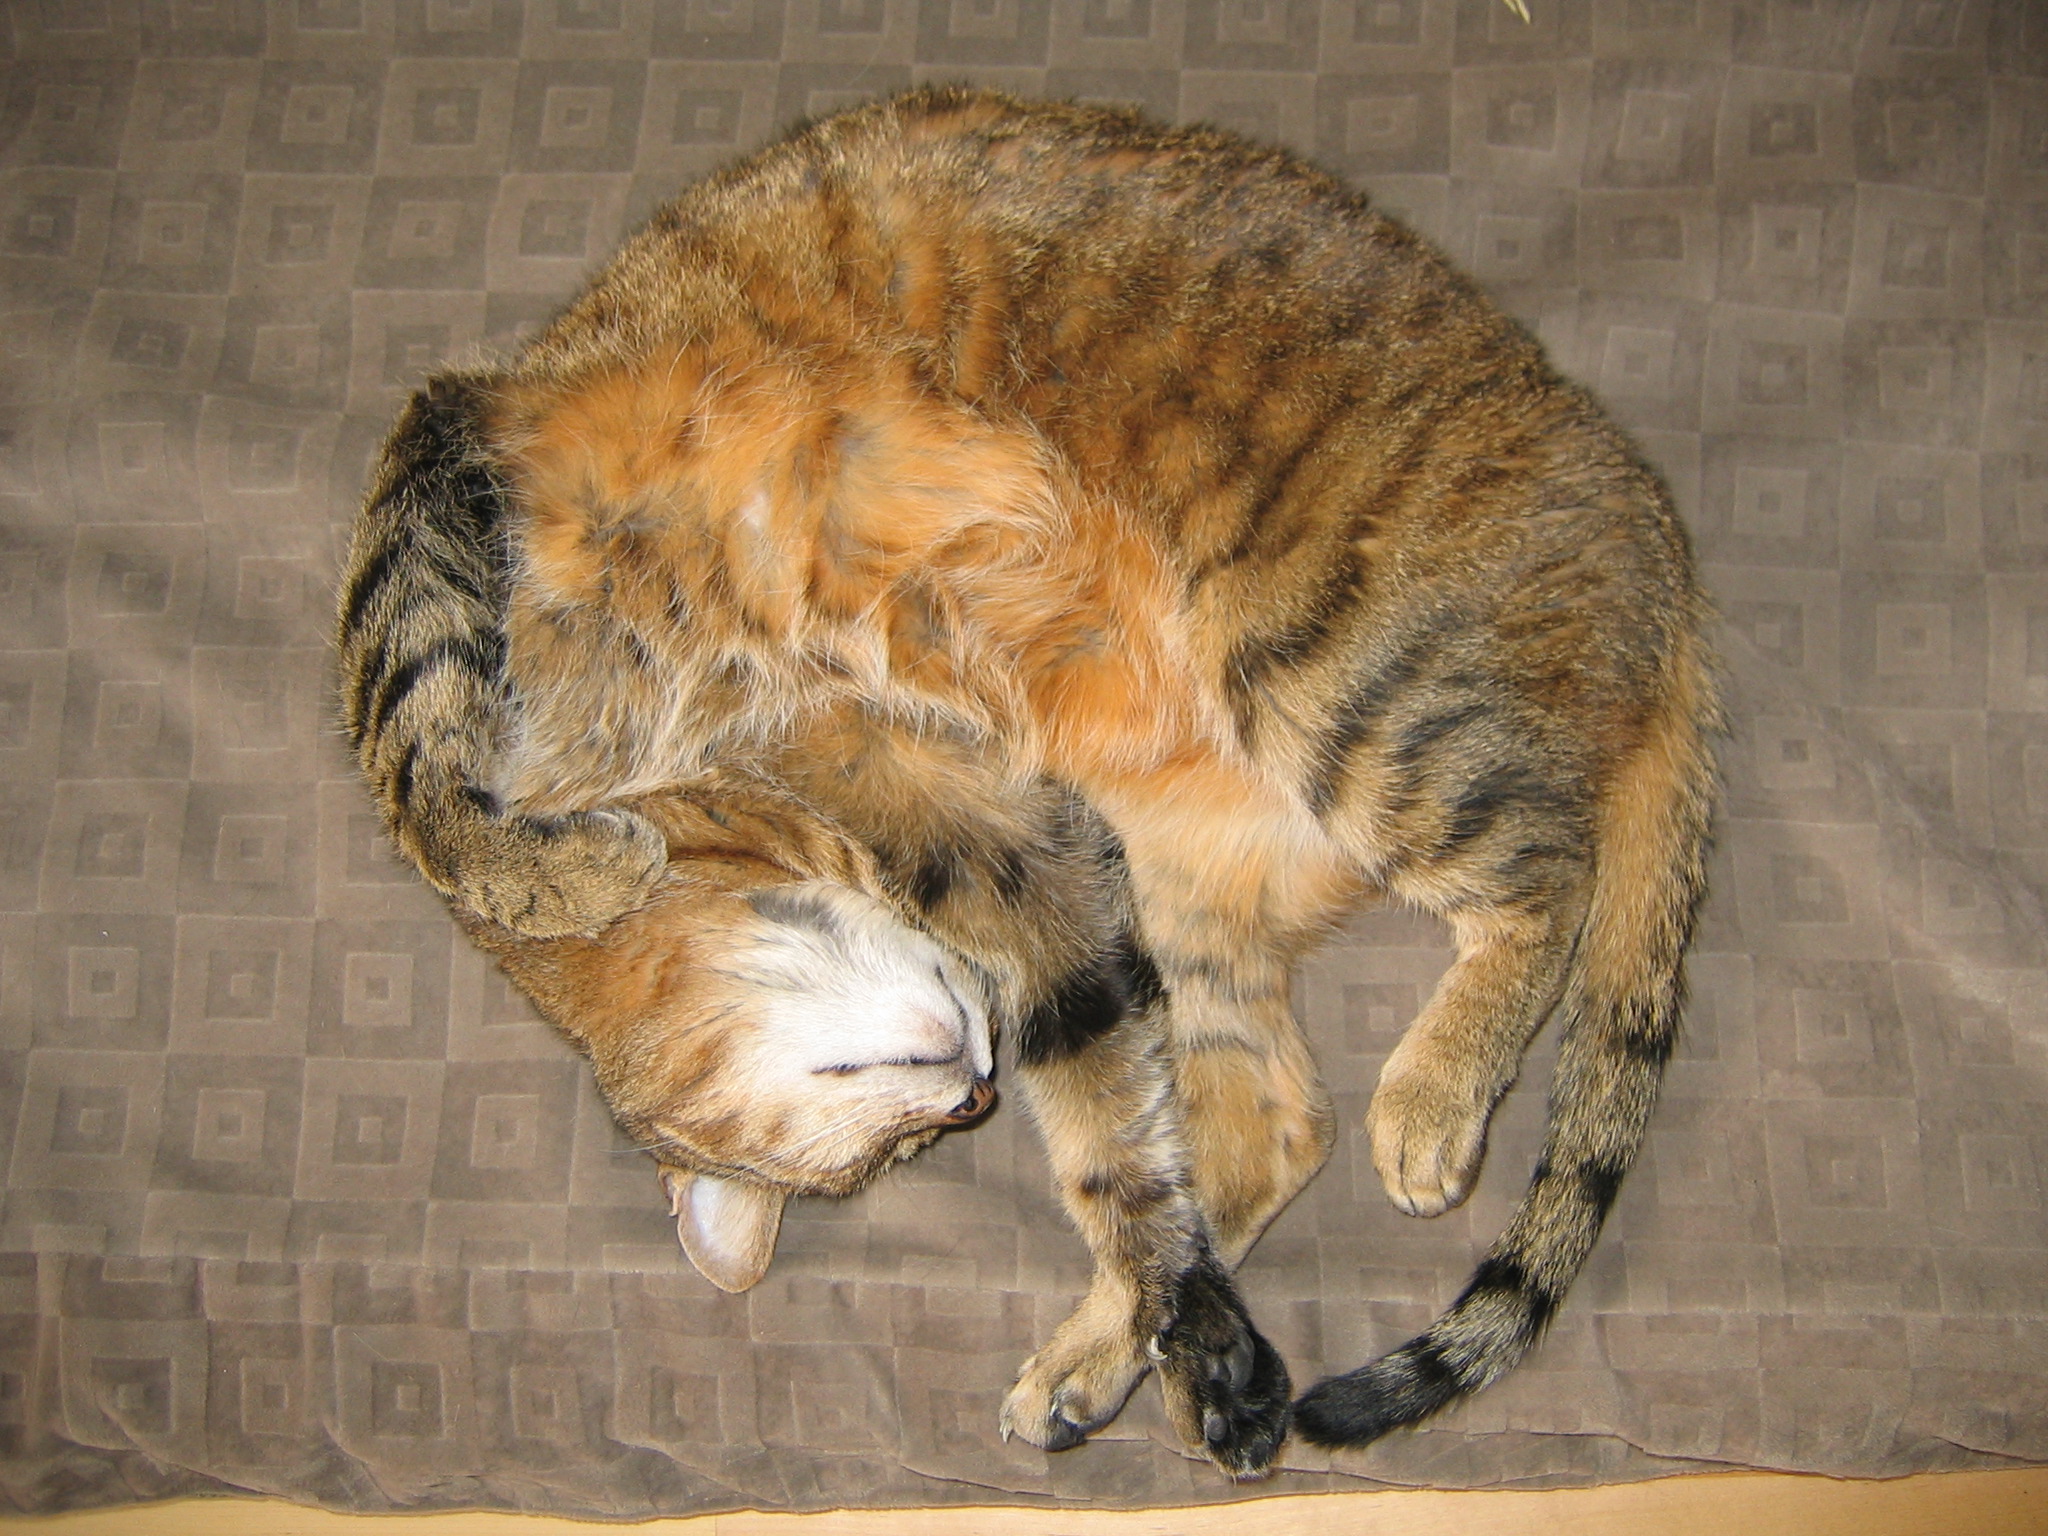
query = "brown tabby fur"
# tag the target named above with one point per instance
(1111, 550)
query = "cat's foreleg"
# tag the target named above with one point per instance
(1160, 1295)
(424, 696)
(541, 876)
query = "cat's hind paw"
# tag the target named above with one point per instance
(1428, 1138)
(1227, 1389)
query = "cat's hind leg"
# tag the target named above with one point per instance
(1502, 855)
(1438, 1088)
(1467, 806)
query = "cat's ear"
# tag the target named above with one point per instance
(727, 1228)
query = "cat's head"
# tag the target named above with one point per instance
(791, 1039)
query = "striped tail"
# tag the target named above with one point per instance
(1618, 1018)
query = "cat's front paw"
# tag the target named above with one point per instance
(1428, 1136)
(1226, 1388)
(1057, 1403)
(549, 877)
(1078, 1382)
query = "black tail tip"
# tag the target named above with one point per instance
(1360, 1406)
(1341, 1411)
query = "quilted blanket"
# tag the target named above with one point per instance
(296, 1196)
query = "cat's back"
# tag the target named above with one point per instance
(1324, 425)
(1099, 245)
(1181, 311)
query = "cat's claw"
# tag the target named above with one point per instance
(1064, 1394)
(1226, 1388)
(1083, 1376)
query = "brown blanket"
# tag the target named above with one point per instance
(298, 1198)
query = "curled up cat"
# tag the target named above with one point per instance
(983, 567)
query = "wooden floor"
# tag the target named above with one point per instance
(1730, 1504)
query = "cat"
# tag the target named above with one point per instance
(987, 567)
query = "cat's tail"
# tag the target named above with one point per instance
(1618, 1017)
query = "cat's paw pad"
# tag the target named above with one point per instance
(1065, 1393)
(1226, 1388)
(574, 874)
(1428, 1138)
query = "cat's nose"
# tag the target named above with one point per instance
(974, 1106)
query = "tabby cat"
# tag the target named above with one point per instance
(983, 566)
